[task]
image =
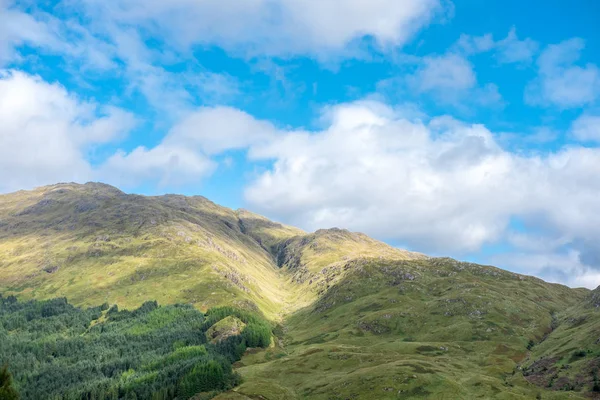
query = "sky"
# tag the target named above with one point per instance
(458, 128)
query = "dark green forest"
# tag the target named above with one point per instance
(57, 351)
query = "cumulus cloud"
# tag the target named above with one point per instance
(303, 27)
(45, 132)
(166, 166)
(408, 181)
(437, 185)
(213, 130)
(560, 81)
(451, 78)
(183, 156)
(468, 44)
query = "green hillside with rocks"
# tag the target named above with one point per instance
(349, 317)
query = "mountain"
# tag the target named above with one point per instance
(93, 243)
(355, 318)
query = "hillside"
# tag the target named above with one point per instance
(435, 329)
(354, 316)
(569, 357)
(93, 243)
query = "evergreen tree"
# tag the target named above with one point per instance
(7, 391)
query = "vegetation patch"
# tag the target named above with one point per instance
(58, 351)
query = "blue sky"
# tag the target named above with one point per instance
(462, 128)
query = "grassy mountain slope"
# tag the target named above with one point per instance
(92, 243)
(569, 357)
(357, 317)
(428, 328)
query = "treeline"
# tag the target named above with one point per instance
(57, 351)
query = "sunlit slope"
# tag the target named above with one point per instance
(93, 243)
(317, 261)
(429, 328)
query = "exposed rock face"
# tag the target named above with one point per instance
(227, 327)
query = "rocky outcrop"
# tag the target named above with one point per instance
(227, 327)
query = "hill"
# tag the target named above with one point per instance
(93, 244)
(355, 317)
(432, 328)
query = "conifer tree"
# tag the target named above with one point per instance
(7, 391)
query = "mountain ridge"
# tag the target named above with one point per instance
(116, 228)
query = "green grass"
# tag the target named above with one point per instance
(569, 357)
(94, 244)
(456, 331)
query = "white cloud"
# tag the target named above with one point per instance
(24, 25)
(183, 156)
(216, 129)
(586, 128)
(562, 83)
(512, 50)
(447, 72)
(373, 172)
(564, 268)
(45, 132)
(273, 27)
(18, 28)
(450, 78)
(104, 46)
(164, 165)
(468, 44)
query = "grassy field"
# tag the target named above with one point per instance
(357, 319)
